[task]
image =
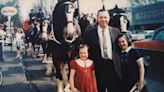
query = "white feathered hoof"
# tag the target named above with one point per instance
(60, 86)
(49, 68)
(64, 74)
(44, 58)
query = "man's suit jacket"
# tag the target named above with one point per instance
(92, 39)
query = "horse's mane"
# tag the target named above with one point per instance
(58, 19)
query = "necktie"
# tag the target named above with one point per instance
(104, 45)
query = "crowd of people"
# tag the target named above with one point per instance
(17, 35)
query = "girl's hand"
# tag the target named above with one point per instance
(140, 86)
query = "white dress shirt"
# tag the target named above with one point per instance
(108, 41)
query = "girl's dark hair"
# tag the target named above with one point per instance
(83, 46)
(127, 38)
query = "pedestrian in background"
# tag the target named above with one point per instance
(103, 50)
(132, 66)
(18, 36)
(82, 72)
(2, 36)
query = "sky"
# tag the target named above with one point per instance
(86, 6)
(94, 5)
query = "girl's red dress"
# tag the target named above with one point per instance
(84, 78)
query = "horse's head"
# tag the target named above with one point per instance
(124, 23)
(45, 25)
(119, 21)
(71, 28)
(45, 28)
(66, 21)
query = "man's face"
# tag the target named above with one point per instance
(103, 18)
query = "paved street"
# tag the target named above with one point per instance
(28, 75)
(24, 75)
(35, 73)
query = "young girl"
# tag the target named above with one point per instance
(132, 66)
(82, 72)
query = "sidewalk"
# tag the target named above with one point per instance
(14, 79)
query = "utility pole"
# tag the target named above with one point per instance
(78, 9)
(41, 4)
(103, 4)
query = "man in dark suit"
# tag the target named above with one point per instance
(101, 39)
(32, 15)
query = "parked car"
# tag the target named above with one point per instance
(148, 34)
(137, 36)
(154, 47)
(156, 43)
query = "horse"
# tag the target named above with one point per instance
(120, 21)
(47, 40)
(67, 35)
(46, 35)
(35, 37)
(86, 20)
